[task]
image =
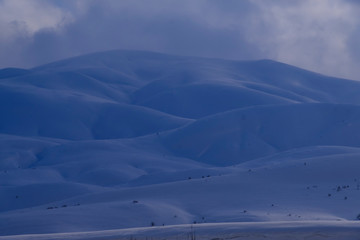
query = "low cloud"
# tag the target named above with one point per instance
(317, 35)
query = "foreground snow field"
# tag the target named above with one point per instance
(251, 231)
(129, 139)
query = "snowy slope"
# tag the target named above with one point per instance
(313, 230)
(125, 139)
(248, 133)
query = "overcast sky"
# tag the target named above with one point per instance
(320, 35)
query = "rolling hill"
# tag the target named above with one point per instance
(124, 139)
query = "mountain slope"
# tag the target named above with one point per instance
(244, 134)
(132, 139)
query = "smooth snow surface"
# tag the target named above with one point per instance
(129, 139)
(247, 231)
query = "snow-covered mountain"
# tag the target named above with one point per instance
(131, 139)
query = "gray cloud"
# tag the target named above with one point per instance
(317, 35)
